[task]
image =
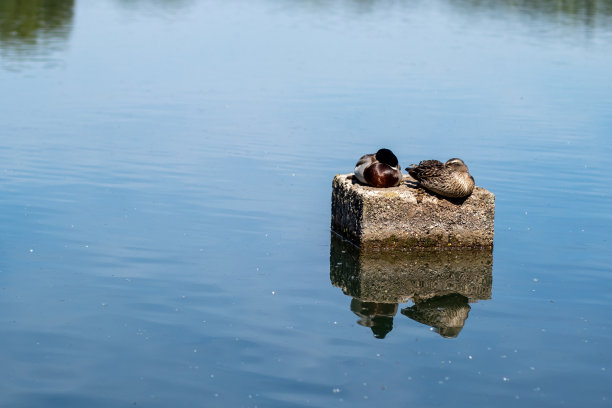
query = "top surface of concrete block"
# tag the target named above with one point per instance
(408, 216)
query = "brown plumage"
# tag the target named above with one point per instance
(451, 179)
(380, 169)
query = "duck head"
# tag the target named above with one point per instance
(456, 164)
(386, 156)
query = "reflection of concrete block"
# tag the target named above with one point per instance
(407, 216)
(399, 276)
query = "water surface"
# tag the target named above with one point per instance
(166, 182)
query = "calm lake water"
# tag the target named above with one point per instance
(166, 173)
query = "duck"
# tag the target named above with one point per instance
(380, 169)
(451, 179)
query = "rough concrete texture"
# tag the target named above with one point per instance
(408, 216)
(418, 275)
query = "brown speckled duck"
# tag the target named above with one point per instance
(380, 169)
(451, 179)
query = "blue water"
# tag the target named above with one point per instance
(166, 173)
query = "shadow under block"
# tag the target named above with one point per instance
(407, 216)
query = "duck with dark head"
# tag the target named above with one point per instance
(380, 169)
(451, 179)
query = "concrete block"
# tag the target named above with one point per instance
(408, 216)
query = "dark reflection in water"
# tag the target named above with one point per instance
(589, 13)
(440, 283)
(579, 11)
(34, 26)
(447, 314)
(34, 29)
(563, 18)
(376, 316)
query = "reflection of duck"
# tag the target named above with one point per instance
(451, 179)
(376, 316)
(380, 169)
(447, 314)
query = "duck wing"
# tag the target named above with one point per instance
(361, 166)
(366, 159)
(426, 169)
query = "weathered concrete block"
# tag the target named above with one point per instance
(407, 216)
